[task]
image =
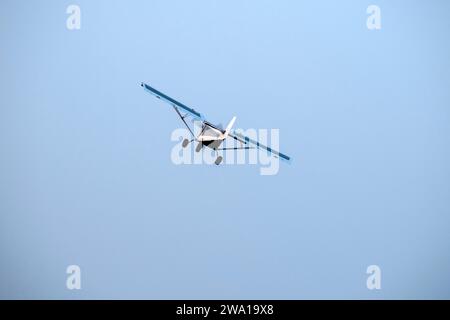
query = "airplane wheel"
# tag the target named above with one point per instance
(199, 147)
(185, 143)
(218, 160)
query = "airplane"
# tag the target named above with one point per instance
(211, 136)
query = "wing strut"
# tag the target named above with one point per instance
(184, 121)
(242, 148)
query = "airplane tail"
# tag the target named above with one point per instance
(228, 129)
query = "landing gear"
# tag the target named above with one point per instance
(199, 147)
(218, 160)
(185, 143)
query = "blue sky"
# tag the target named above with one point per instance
(85, 170)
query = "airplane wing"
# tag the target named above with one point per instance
(246, 140)
(178, 105)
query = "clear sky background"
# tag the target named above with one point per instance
(85, 170)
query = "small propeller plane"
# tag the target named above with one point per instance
(211, 135)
